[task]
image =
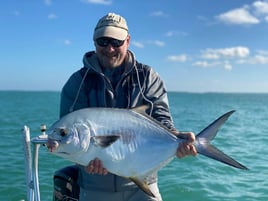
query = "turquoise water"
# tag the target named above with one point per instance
(244, 137)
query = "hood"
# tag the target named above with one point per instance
(90, 60)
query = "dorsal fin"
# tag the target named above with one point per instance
(142, 110)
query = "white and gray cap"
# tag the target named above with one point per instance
(112, 26)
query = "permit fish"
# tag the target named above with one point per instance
(129, 142)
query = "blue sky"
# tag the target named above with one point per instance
(195, 45)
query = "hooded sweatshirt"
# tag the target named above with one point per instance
(130, 85)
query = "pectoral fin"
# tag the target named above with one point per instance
(143, 185)
(105, 141)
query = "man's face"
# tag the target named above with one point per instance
(109, 55)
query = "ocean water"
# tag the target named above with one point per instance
(244, 137)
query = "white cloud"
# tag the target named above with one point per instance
(103, 2)
(205, 64)
(262, 52)
(222, 57)
(231, 52)
(52, 16)
(257, 59)
(156, 42)
(159, 43)
(227, 65)
(137, 44)
(247, 14)
(67, 42)
(174, 33)
(48, 2)
(210, 54)
(238, 16)
(16, 13)
(178, 58)
(261, 7)
(158, 14)
(151, 42)
(170, 33)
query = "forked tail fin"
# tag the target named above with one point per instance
(204, 147)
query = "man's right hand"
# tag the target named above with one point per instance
(95, 167)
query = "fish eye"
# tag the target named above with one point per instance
(63, 132)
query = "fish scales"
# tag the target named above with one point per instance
(138, 135)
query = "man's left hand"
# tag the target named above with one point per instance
(186, 148)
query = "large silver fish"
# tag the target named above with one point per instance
(128, 142)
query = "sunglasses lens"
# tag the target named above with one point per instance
(104, 42)
(116, 43)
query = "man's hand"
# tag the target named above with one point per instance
(95, 167)
(186, 148)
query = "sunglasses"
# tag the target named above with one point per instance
(104, 42)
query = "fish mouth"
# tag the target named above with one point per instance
(52, 145)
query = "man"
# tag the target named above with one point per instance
(111, 77)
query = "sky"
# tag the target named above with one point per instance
(194, 45)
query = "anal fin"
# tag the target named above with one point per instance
(143, 185)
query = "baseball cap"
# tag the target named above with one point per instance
(112, 26)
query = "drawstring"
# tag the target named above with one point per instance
(79, 89)
(144, 97)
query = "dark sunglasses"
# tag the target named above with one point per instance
(104, 42)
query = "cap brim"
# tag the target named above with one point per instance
(111, 32)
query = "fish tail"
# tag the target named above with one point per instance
(204, 147)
